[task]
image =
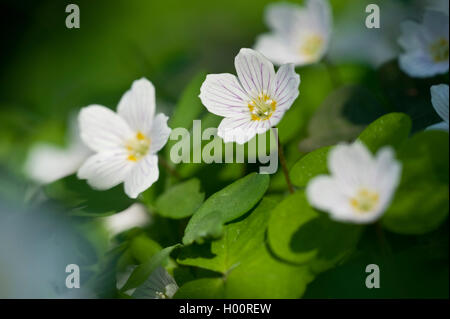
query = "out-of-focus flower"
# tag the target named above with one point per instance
(160, 285)
(125, 142)
(439, 99)
(134, 216)
(254, 101)
(300, 35)
(361, 186)
(47, 163)
(426, 45)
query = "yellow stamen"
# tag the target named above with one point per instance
(365, 200)
(311, 47)
(440, 50)
(137, 147)
(262, 107)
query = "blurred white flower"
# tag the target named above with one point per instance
(47, 163)
(300, 35)
(361, 186)
(426, 45)
(159, 285)
(134, 216)
(125, 142)
(439, 99)
(252, 102)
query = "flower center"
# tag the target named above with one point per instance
(137, 147)
(169, 291)
(365, 200)
(262, 107)
(439, 50)
(312, 46)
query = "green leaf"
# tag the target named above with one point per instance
(309, 166)
(299, 234)
(341, 117)
(391, 129)
(421, 200)
(141, 272)
(181, 200)
(143, 248)
(229, 203)
(82, 200)
(248, 269)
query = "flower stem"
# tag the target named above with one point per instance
(169, 168)
(283, 162)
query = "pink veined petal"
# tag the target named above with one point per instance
(223, 95)
(255, 72)
(142, 176)
(137, 106)
(285, 90)
(439, 99)
(159, 133)
(105, 170)
(101, 129)
(236, 130)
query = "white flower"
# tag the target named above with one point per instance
(47, 163)
(125, 142)
(361, 186)
(252, 102)
(134, 216)
(439, 99)
(300, 35)
(426, 45)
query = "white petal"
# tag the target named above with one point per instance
(388, 175)
(142, 176)
(47, 163)
(106, 170)
(349, 164)
(282, 17)
(101, 129)
(324, 194)
(320, 13)
(159, 133)
(439, 99)
(238, 130)
(255, 72)
(134, 216)
(223, 95)
(276, 49)
(436, 23)
(442, 126)
(286, 87)
(137, 105)
(420, 65)
(412, 37)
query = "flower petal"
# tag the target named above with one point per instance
(255, 72)
(419, 65)
(388, 174)
(442, 126)
(286, 87)
(239, 130)
(137, 105)
(439, 99)
(282, 17)
(324, 193)
(276, 49)
(142, 176)
(351, 165)
(436, 23)
(223, 95)
(101, 129)
(105, 170)
(159, 133)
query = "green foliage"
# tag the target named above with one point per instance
(309, 166)
(181, 200)
(144, 270)
(299, 234)
(421, 202)
(248, 269)
(229, 203)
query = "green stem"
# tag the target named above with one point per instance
(283, 162)
(169, 168)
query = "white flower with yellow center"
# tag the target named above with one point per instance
(426, 45)
(439, 99)
(252, 102)
(361, 186)
(125, 142)
(300, 35)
